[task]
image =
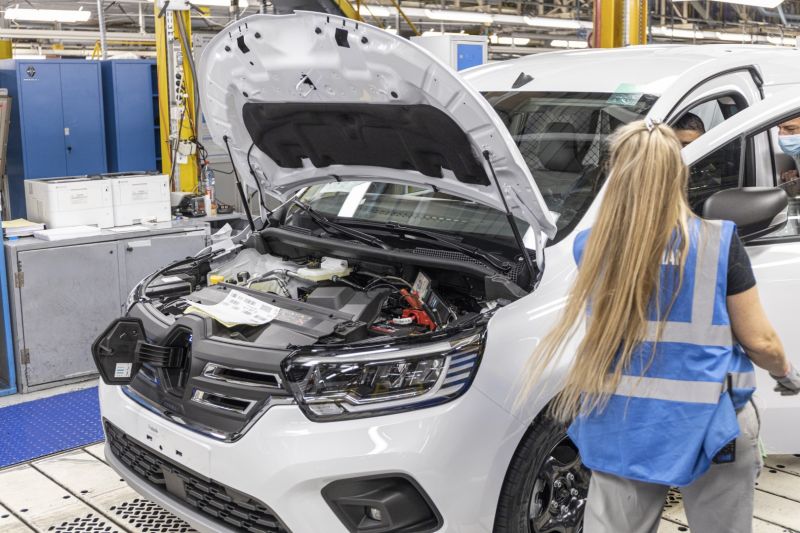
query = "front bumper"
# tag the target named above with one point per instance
(458, 453)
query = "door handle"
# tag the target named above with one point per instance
(145, 243)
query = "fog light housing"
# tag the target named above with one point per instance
(392, 503)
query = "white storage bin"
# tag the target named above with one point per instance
(140, 198)
(63, 202)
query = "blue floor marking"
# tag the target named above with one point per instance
(49, 425)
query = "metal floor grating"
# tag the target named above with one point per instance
(90, 523)
(77, 492)
(144, 515)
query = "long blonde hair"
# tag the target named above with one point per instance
(643, 216)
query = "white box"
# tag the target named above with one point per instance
(63, 202)
(140, 198)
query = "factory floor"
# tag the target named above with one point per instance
(77, 492)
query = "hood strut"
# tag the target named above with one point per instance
(512, 222)
(242, 195)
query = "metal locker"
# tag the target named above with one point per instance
(65, 308)
(57, 125)
(130, 108)
(84, 135)
(43, 125)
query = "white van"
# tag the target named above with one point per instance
(362, 368)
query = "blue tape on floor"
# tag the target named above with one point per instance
(49, 425)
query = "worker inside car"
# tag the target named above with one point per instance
(789, 139)
(689, 128)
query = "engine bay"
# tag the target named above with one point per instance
(327, 297)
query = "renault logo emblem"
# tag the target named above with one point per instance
(30, 71)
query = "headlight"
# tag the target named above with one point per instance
(354, 384)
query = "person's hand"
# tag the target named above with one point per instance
(789, 175)
(788, 385)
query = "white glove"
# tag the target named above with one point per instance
(789, 385)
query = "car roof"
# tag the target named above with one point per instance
(647, 69)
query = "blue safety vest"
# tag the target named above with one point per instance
(666, 421)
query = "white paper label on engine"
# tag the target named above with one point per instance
(238, 308)
(421, 285)
(122, 370)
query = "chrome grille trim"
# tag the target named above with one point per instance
(214, 370)
(204, 398)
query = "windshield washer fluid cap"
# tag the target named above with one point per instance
(323, 97)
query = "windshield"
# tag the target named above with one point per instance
(561, 137)
(410, 206)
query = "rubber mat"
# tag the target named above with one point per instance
(49, 425)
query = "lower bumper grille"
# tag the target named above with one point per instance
(231, 508)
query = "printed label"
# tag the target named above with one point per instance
(123, 370)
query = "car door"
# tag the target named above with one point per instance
(775, 257)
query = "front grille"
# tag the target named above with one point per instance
(231, 508)
(221, 388)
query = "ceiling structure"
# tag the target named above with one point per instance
(513, 28)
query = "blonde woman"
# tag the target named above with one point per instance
(659, 393)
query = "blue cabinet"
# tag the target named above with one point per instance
(57, 126)
(469, 55)
(131, 105)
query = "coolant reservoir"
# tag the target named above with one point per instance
(327, 269)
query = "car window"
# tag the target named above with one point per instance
(717, 171)
(562, 137)
(707, 115)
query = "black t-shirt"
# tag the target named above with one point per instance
(740, 273)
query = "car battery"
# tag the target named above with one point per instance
(140, 198)
(63, 202)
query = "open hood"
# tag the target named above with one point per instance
(319, 97)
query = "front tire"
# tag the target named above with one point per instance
(546, 484)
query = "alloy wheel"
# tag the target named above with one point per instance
(559, 493)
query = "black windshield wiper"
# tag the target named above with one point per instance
(328, 224)
(439, 238)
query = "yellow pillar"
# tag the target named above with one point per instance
(619, 23)
(5, 48)
(185, 173)
(637, 22)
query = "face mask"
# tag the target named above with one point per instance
(790, 144)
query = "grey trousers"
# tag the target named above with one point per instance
(720, 501)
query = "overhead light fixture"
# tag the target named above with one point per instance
(220, 3)
(546, 22)
(560, 43)
(768, 4)
(217, 3)
(375, 10)
(509, 41)
(677, 33)
(458, 16)
(782, 41)
(734, 37)
(47, 15)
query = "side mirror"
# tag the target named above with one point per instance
(756, 211)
